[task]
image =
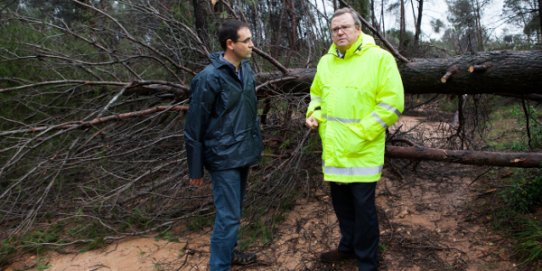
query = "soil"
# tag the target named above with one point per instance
(428, 221)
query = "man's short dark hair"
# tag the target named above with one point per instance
(228, 30)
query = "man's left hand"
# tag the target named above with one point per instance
(196, 182)
(311, 122)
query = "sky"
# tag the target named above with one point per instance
(438, 9)
(492, 18)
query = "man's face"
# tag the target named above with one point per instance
(344, 32)
(242, 48)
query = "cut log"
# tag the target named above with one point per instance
(498, 72)
(481, 158)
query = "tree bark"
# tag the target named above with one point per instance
(419, 23)
(509, 73)
(540, 20)
(402, 27)
(482, 158)
(478, 26)
(291, 24)
(202, 9)
(373, 16)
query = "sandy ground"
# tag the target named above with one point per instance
(420, 230)
(426, 222)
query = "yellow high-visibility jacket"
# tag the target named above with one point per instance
(354, 99)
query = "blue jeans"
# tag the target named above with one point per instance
(355, 208)
(228, 192)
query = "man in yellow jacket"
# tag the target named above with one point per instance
(356, 94)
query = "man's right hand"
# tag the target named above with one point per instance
(311, 122)
(196, 182)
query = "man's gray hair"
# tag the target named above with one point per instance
(350, 11)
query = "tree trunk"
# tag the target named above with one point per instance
(499, 72)
(402, 27)
(478, 27)
(291, 24)
(201, 13)
(373, 16)
(483, 158)
(419, 23)
(275, 12)
(382, 18)
(540, 20)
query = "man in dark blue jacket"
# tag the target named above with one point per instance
(222, 134)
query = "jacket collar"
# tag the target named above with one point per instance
(217, 59)
(362, 43)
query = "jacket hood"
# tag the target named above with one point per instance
(363, 43)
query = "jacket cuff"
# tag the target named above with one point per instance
(317, 114)
(194, 153)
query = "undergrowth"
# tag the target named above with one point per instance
(521, 202)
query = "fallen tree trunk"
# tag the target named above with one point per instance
(498, 72)
(482, 158)
(508, 73)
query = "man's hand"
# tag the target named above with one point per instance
(196, 182)
(311, 122)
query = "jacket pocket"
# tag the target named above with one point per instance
(348, 139)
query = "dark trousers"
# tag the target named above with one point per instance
(228, 191)
(355, 208)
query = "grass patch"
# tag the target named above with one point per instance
(167, 235)
(508, 131)
(197, 223)
(523, 193)
(7, 247)
(505, 132)
(520, 194)
(265, 221)
(530, 242)
(42, 264)
(259, 231)
(38, 239)
(515, 217)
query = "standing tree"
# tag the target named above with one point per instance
(202, 13)
(525, 14)
(418, 23)
(361, 6)
(465, 16)
(540, 19)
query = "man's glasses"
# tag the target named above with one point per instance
(335, 30)
(245, 41)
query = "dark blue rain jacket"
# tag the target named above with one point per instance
(222, 129)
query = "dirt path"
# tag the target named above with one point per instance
(426, 216)
(425, 225)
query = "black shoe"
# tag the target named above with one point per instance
(334, 256)
(243, 258)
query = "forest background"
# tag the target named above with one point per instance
(93, 95)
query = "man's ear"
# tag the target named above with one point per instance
(229, 44)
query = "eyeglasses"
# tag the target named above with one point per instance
(335, 30)
(245, 41)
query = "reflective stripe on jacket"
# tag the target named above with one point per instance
(222, 128)
(354, 99)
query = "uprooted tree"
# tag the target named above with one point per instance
(92, 108)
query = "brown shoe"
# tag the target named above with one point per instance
(334, 256)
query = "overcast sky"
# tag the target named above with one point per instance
(438, 9)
